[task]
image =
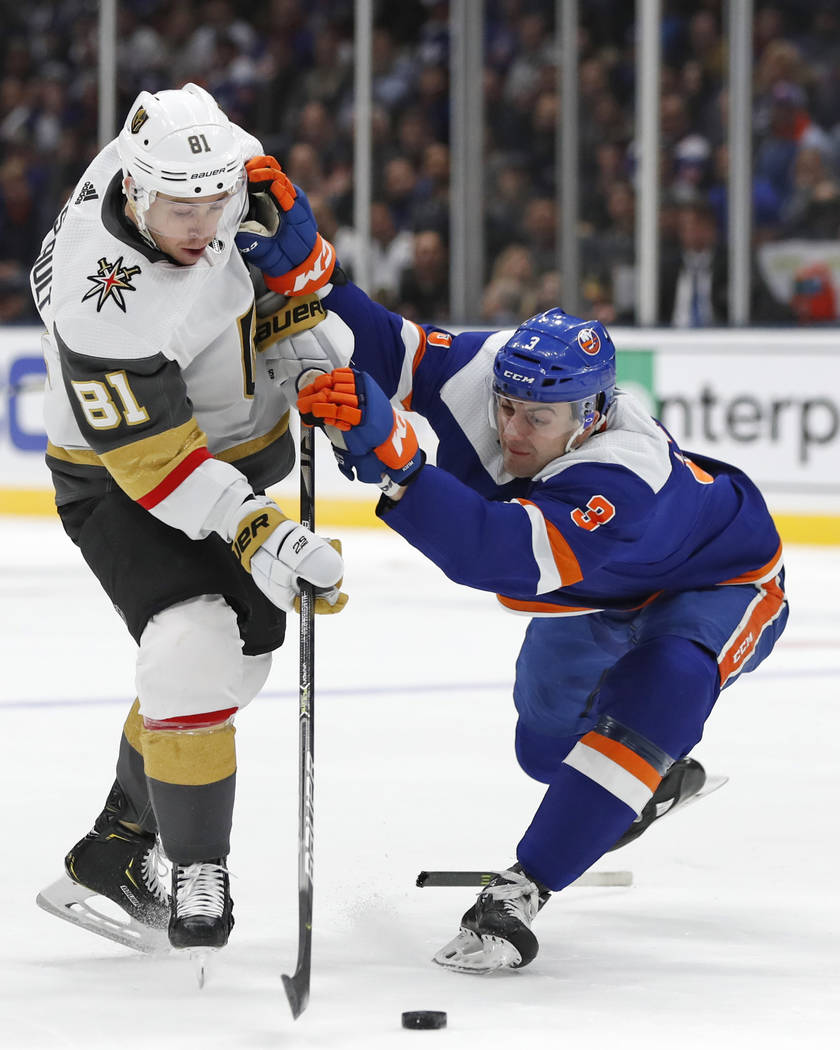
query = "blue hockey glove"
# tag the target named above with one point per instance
(280, 235)
(380, 445)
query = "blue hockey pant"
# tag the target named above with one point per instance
(608, 701)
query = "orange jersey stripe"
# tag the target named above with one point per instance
(765, 572)
(418, 357)
(741, 646)
(547, 608)
(564, 558)
(624, 757)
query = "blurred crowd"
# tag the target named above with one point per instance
(284, 70)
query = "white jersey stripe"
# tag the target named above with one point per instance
(609, 775)
(411, 341)
(550, 579)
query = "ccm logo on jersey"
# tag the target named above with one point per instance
(742, 648)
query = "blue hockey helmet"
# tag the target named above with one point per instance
(556, 357)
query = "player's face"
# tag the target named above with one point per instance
(532, 434)
(183, 228)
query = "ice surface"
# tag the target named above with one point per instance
(728, 937)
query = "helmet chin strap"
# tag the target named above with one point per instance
(573, 438)
(138, 217)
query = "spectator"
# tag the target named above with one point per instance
(431, 210)
(424, 287)
(813, 209)
(400, 182)
(789, 127)
(693, 284)
(693, 281)
(767, 204)
(609, 256)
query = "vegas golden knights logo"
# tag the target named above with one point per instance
(138, 120)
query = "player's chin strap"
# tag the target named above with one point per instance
(585, 422)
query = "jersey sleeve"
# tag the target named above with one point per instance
(523, 549)
(410, 362)
(134, 412)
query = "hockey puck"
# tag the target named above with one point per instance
(424, 1019)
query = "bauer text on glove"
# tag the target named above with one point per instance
(279, 553)
(374, 440)
(279, 234)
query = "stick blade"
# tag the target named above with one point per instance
(482, 878)
(297, 992)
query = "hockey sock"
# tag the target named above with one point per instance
(191, 774)
(131, 775)
(653, 705)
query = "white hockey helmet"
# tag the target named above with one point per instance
(179, 143)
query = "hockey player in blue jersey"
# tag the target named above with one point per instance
(653, 577)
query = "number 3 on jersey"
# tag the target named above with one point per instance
(598, 511)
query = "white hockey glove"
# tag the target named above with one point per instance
(296, 335)
(279, 553)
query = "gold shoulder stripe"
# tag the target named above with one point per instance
(248, 448)
(83, 456)
(143, 465)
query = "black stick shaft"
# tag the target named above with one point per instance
(297, 986)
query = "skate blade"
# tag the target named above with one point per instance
(200, 959)
(469, 953)
(69, 901)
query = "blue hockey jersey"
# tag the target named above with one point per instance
(610, 525)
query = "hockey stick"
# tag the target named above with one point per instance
(297, 986)
(482, 878)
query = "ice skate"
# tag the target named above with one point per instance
(684, 782)
(117, 863)
(201, 910)
(496, 931)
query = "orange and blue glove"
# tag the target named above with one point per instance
(369, 437)
(279, 233)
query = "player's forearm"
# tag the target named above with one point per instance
(385, 343)
(474, 541)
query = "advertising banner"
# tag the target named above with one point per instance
(767, 401)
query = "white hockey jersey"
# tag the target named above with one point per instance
(153, 378)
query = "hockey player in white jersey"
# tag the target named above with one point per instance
(164, 431)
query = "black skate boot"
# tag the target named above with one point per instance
(496, 931)
(683, 781)
(201, 907)
(121, 863)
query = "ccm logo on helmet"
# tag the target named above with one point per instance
(589, 341)
(518, 377)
